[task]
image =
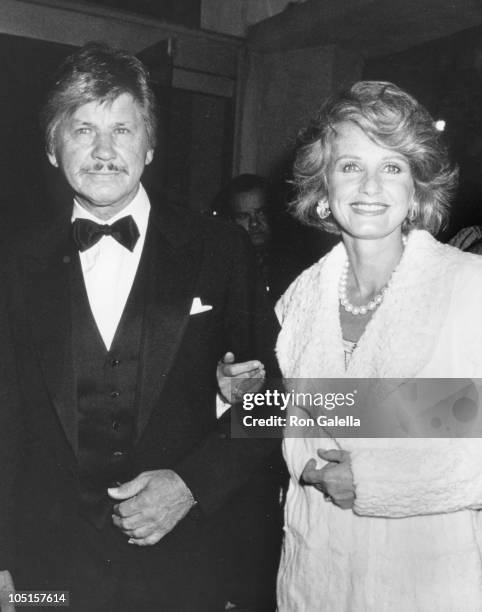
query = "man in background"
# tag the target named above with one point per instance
(245, 200)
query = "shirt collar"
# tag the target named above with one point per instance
(139, 208)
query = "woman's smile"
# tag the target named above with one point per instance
(369, 208)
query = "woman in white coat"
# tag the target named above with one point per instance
(379, 524)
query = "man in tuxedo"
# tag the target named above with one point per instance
(120, 311)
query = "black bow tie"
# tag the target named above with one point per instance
(86, 233)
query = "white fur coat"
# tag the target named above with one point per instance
(413, 541)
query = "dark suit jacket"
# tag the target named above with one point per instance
(177, 426)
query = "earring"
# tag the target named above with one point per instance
(412, 214)
(322, 209)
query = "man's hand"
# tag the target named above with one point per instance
(334, 480)
(235, 379)
(154, 503)
(6, 587)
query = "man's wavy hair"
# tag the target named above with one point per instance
(97, 73)
(391, 118)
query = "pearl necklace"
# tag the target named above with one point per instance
(365, 308)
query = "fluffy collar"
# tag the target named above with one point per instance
(400, 337)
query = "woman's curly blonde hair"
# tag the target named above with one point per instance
(393, 119)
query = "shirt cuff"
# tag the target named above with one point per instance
(222, 405)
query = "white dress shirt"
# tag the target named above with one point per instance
(109, 268)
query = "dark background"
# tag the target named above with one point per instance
(446, 76)
(181, 12)
(196, 139)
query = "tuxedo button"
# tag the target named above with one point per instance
(114, 394)
(115, 363)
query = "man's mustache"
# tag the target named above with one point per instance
(110, 167)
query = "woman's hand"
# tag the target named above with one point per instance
(235, 379)
(334, 480)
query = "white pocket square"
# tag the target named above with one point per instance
(197, 306)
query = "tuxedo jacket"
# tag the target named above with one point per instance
(188, 256)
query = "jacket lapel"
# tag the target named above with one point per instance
(173, 259)
(49, 304)
(401, 336)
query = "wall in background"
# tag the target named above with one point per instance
(28, 185)
(446, 76)
(235, 16)
(182, 12)
(282, 91)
